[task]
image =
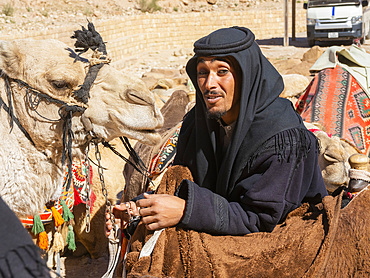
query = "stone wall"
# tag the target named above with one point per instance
(131, 35)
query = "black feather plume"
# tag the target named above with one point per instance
(89, 38)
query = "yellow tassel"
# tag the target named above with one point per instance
(58, 219)
(58, 244)
(43, 240)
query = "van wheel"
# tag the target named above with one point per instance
(311, 42)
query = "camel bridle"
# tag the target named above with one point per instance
(33, 98)
(86, 39)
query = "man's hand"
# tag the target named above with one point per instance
(122, 213)
(160, 210)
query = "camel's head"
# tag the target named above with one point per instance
(333, 158)
(118, 105)
(122, 106)
(333, 161)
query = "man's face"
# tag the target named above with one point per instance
(217, 81)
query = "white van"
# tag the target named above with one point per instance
(329, 20)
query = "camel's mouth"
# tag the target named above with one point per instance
(150, 137)
(145, 136)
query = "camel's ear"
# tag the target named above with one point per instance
(10, 59)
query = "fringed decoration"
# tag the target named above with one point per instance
(71, 238)
(67, 214)
(58, 243)
(58, 219)
(37, 227)
(43, 240)
(284, 144)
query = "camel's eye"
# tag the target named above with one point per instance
(60, 84)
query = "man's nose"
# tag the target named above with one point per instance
(211, 82)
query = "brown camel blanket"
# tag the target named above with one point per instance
(314, 241)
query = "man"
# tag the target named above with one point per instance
(251, 157)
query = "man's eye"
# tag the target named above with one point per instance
(201, 73)
(223, 71)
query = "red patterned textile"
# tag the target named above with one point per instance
(79, 183)
(165, 156)
(336, 101)
(75, 195)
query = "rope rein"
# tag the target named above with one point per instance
(88, 189)
(137, 163)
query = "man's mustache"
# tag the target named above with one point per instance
(210, 93)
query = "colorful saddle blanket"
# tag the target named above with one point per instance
(165, 156)
(336, 101)
(75, 195)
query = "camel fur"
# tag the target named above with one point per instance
(316, 240)
(32, 174)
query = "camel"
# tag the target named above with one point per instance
(37, 85)
(333, 158)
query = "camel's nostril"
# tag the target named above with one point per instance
(134, 97)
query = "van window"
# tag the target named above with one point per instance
(321, 3)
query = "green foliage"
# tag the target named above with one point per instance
(8, 9)
(149, 6)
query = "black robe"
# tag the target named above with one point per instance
(273, 185)
(271, 164)
(19, 256)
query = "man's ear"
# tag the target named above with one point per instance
(10, 59)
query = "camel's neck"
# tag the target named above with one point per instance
(30, 174)
(28, 179)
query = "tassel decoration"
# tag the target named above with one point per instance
(43, 240)
(67, 214)
(71, 238)
(58, 220)
(37, 227)
(58, 244)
